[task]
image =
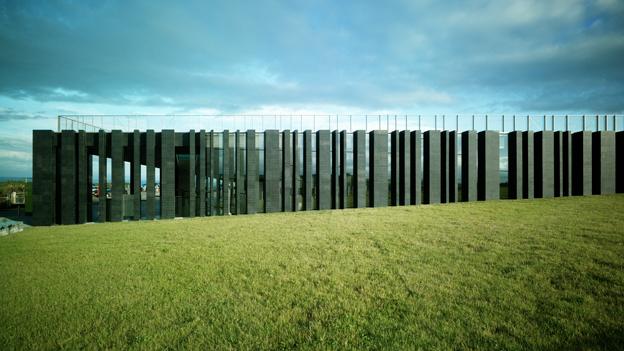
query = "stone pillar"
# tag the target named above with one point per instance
(227, 164)
(44, 177)
(469, 166)
(558, 163)
(295, 173)
(378, 168)
(603, 160)
(201, 181)
(452, 166)
(359, 169)
(567, 163)
(240, 174)
(432, 166)
(394, 168)
(323, 178)
(307, 170)
(404, 168)
(103, 139)
(582, 163)
(444, 166)
(68, 177)
(287, 172)
(135, 175)
(343, 169)
(150, 191)
(212, 171)
(528, 169)
(252, 172)
(272, 172)
(488, 184)
(84, 186)
(89, 186)
(117, 175)
(191, 175)
(335, 169)
(514, 160)
(415, 168)
(619, 162)
(167, 174)
(544, 164)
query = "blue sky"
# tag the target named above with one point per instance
(125, 57)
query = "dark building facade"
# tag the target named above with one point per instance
(148, 175)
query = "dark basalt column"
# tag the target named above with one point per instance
(378, 168)
(619, 163)
(201, 181)
(117, 175)
(68, 177)
(488, 184)
(582, 163)
(135, 175)
(359, 169)
(150, 170)
(240, 174)
(191, 174)
(323, 178)
(469, 166)
(567, 163)
(452, 166)
(558, 163)
(444, 166)
(603, 159)
(307, 170)
(514, 159)
(84, 185)
(272, 172)
(415, 168)
(404, 168)
(295, 174)
(227, 165)
(343, 170)
(394, 168)
(167, 174)
(335, 169)
(44, 177)
(432, 166)
(544, 164)
(287, 172)
(252, 173)
(528, 169)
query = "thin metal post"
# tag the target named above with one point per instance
(544, 123)
(605, 124)
(443, 122)
(387, 122)
(457, 123)
(58, 124)
(366, 123)
(473, 123)
(583, 122)
(614, 124)
(395, 122)
(379, 122)
(419, 122)
(514, 123)
(503, 123)
(486, 122)
(528, 123)
(552, 124)
(567, 123)
(435, 122)
(597, 123)
(405, 122)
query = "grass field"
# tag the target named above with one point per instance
(542, 274)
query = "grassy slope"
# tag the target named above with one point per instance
(543, 274)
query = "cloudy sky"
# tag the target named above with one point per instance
(128, 57)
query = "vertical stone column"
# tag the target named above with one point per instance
(201, 181)
(415, 168)
(150, 170)
(335, 168)
(227, 162)
(603, 160)
(89, 187)
(378, 168)
(567, 163)
(252, 172)
(44, 177)
(343, 170)
(192, 181)
(167, 174)
(272, 172)
(488, 184)
(528, 169)
(444, 166)
(212, 171)
(307, 170)
(68, 177)
(135, 175)
(558, 163)
(359, 169)
(295, 173)
(287, 172)
(619, 161)
(432, 166)
(514, 160)
(469, 166)
(84, 187)
(404, 168)
(544, 164)
(102, 174)
(582, 163)
(240, 175)
(394, 168)
(323, 178)
(117, 175)
(452, 166)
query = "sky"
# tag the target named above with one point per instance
(302, 57)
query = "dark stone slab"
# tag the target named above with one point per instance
(394, 168)
(444, 166)
(469, 166)
(44, 177)
(335, 169)
(287, 172)
(603, 162)
(68, 177)
(404, 168)
(558, 159)
(167, 174)
(191, 177)
(240, 174)
(117, 175)
(307, 170)
(359, 169)
(150, 170)
(619, 161)
(343, 170)
(544, 164)
(452, 166)
(567, 163)
(135, 175)
(252, 180)
(227, 174)
(528, 169)
(323, 170)
(272, 172)
(488, 183)
(296, 173)
(582, 163)
(431, 168)
(201, 179)
(84, 186)
(514, 160)
(415, 168)
(378, 168)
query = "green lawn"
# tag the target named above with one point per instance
(539, 274)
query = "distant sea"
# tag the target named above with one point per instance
(16, 179)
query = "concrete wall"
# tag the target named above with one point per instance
(582, 163)
(488, 184)
(514, 159)
(528, 169)
(359, 169)
(378, 168)
(432, 166)
(469, 166)
(252, 179)
(619, 162)
(603, 162)
(415, 168)
(307, 171)
(323, 171)
(544, 164)
(287, 172)
(404, 168)
(272, 172)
